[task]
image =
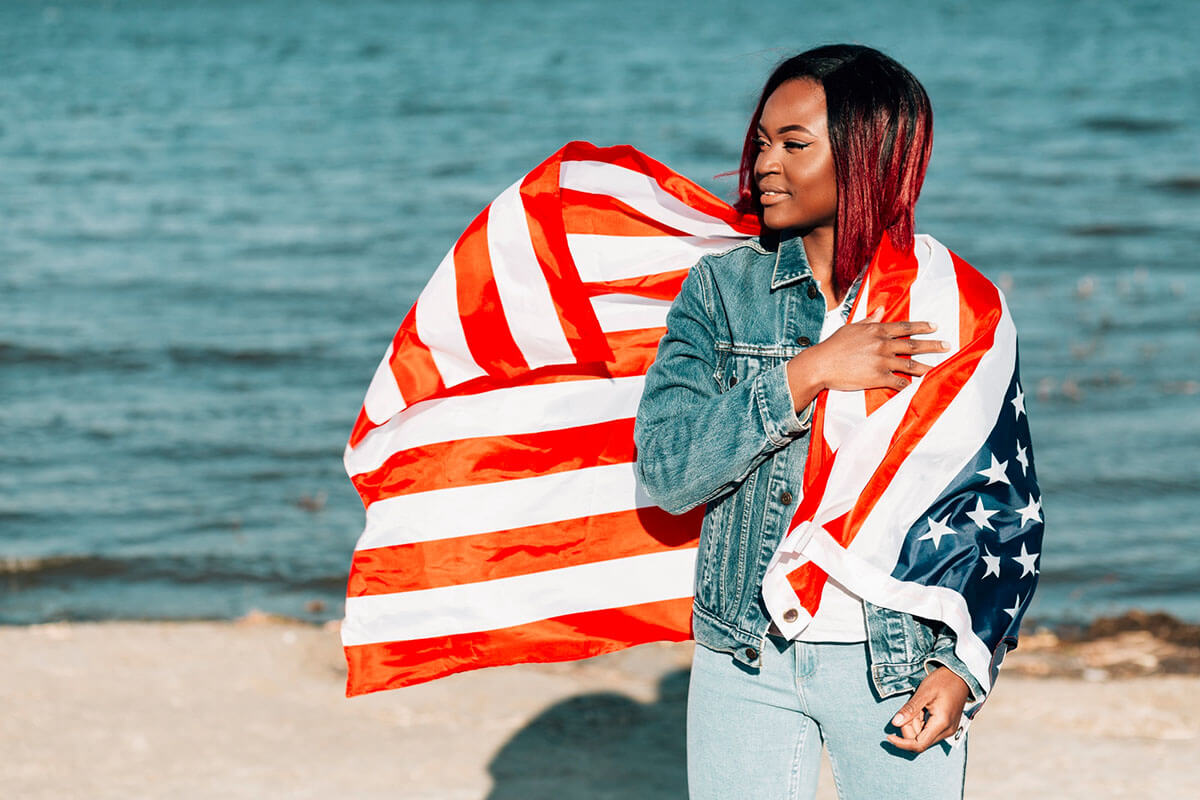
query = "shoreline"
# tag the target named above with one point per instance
(255, 708)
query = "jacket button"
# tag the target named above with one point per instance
(733, 381)
(804, 341)
(751, 653)
(786, 499)
(813, 291)
(790, 615)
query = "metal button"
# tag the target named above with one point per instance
(813, 291)
(733, 381)
(804, 341)
(791, 615)
(786, 498)
(958, 734)
(751, 653)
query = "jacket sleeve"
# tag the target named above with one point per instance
(697, 440)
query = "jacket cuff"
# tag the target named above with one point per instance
(774, 399)
(943, 656)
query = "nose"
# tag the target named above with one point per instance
(767, 163)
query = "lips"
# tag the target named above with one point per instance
(769, 195)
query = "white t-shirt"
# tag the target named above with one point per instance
(840, 616)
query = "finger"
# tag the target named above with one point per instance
(908, 366)
(875, 315)
(935, 730)
(908, 328)
(916, 346)
(912, 709)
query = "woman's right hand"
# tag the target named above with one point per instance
(862, 355)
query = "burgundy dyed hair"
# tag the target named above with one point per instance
(881, 134)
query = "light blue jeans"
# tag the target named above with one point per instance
(757, 733)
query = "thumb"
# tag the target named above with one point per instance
(907, 712)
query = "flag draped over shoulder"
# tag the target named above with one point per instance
(494, 450)
(924, 500)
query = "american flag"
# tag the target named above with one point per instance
(494, 450)
(924, 500)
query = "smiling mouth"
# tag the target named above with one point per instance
(771, 195)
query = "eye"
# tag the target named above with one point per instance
(759, 142)
(795, 145)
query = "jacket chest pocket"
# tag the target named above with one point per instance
(735, 368)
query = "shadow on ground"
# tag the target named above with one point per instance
(599, 746)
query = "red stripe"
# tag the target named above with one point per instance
(544, 211)
(585, 212)
(520, 551)
(660, 286)
(892, 274)
(412, 365)
(488, 459)
(390, 665)
(483, 321)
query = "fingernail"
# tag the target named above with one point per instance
(896, 720)
(933, 325)
(945, 345)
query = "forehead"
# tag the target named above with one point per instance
(799, 101)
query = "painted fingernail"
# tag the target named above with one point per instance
(945, 345)
(896, 720)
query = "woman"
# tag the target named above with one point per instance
(833, 163)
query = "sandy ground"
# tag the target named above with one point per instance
(256, 710)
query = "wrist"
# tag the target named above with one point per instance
(804, 379)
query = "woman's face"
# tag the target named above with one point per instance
(794, 168)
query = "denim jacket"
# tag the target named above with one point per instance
(717, 426)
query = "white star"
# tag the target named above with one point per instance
(1031, 512)
(937, 529)
(992, 562)
(1018, 402)
(1027, 561)
(1012, 612)
(1022, 457)
(980, 515)
(995, 473)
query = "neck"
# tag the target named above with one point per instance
(818, 249)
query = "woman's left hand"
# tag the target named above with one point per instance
(932, 713)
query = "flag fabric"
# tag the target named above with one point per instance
(494, 450)
(924, 500)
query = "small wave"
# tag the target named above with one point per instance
(1180, 184)
(1123, 124)
(250, 356)
(1111, 229)
(15, 354)
(28, 571)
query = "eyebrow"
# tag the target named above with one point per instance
(787, 128)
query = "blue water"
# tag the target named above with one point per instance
(214, 215)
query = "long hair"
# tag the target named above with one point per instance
(880, 133)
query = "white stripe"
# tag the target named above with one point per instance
(628, 312)
(641, 192)
(524, 294)
(383, 395)
(505, 602)
(501, 412)
(934, 297)
(601, 258)
(484, 508)
(440, 326)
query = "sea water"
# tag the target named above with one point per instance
(213, 216)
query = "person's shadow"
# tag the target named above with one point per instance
(599, 746)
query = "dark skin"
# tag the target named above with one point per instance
(798, 187)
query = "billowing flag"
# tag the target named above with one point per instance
(494, 451)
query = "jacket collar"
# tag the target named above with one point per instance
(791, 264)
